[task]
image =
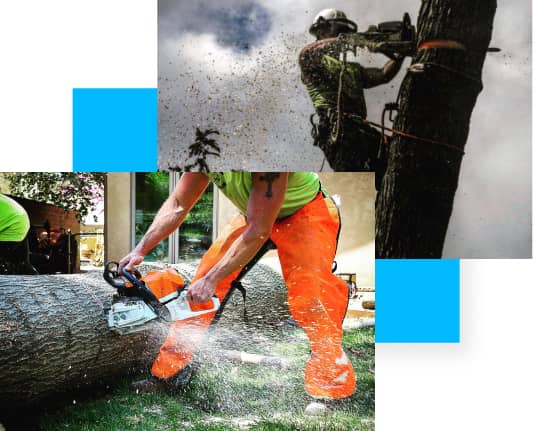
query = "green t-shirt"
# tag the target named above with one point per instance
(323, 85)
(14, 221)
(302, 188)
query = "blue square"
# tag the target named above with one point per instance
(417, 301)
(115, 129)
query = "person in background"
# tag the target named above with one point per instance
(14, 227)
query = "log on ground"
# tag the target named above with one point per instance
(54, 336)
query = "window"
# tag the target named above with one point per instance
(195, 235)
(196, 232)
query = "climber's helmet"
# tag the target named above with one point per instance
(330, 23)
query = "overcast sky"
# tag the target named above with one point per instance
(232, 65)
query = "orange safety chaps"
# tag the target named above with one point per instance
(306, 243)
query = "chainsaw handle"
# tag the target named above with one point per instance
(132, 277)
(112, 276)
(118, 280)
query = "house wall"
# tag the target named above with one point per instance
(39, 212)
(356, 194)
(355, 252)
(118, 215)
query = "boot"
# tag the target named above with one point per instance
(184, 376)
(154, 384)
(325, 407)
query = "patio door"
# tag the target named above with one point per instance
(194, 236)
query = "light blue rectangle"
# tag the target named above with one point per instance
(114, 129)
(417, 301)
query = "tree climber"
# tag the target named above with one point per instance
(336, 90)
(294, 212)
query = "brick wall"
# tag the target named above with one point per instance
(40, 212)
(57, 217)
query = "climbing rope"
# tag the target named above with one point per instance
(416, 68)
(337, 133)
(428, 65)
(401, 133)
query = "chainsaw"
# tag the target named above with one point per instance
(389, 38)
(158, 296)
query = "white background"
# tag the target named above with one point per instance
(483, 383)
(49, 47)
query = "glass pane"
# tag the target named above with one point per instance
(151, 190)
(196, 232)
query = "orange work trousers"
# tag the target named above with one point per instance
(306, 243)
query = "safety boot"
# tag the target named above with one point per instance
(154, 384)
(325, 407)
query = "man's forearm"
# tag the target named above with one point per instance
(373, 76)
(392, 67)
(168, 219)
(242, 251)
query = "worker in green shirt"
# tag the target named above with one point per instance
(292, 211)
(335, 84)
(14, 227)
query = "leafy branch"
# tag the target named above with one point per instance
(202, 147)
(72, 191)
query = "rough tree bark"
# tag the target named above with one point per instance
(54, 336)
(414, 207)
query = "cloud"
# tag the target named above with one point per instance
(232, 65)
(235, 24)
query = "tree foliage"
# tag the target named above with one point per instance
(71, 191)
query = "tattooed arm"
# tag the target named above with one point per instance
(266, 198)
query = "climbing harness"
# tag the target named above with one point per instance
(390, 107)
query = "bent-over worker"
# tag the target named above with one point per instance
(296, 214)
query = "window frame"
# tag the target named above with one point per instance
(173, 239)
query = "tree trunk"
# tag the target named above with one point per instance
(54, 336)
(414, 206)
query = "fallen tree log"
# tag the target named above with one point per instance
(54, 336)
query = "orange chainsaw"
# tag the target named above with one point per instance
(158, 296)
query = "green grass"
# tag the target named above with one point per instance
(228, 396)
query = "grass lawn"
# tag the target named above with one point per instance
(233, 396)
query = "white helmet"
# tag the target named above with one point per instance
(333, 16)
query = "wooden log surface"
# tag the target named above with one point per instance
(54, 335)
(436, 102)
